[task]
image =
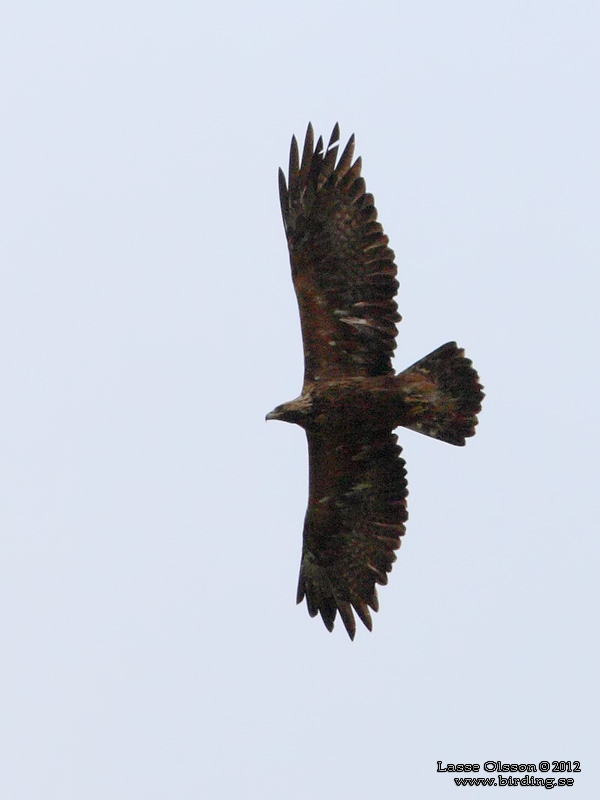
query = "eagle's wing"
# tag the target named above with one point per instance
(355, 518)
(343, 271)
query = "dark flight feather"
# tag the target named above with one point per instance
(355, 518)
(336, 249)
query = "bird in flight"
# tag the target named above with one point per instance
(351, 401)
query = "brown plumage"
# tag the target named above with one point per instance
(351, 401)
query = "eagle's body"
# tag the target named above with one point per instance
(345, 280)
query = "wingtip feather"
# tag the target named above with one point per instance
(335, 136)
(362, 610)
(307, 153)
(346, 158)
(294, 164)
(347, 616)
(284, 198)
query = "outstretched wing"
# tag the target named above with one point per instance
(343, 271)
(355, 518)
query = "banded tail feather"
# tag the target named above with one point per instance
(443, 395)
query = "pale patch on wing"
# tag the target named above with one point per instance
(362, 453)
(358, 488)
(362, 322)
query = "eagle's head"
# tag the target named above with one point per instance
(296, 411)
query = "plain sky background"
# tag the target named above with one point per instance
(151, 521)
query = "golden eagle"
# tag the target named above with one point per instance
(345, 280)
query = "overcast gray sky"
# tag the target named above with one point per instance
(151, 522)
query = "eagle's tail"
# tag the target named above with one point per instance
(442, 395)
